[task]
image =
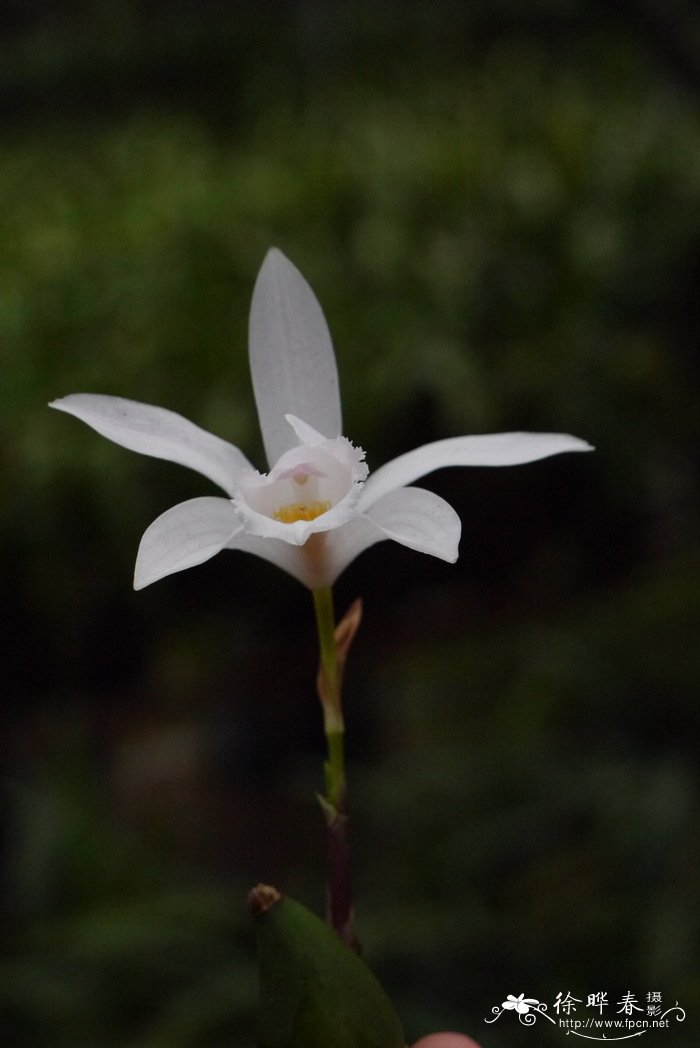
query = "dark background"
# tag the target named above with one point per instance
(497, 205)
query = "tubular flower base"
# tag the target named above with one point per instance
(317, 508)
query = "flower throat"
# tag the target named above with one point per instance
(301, 511)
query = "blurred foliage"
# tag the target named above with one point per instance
(497, 205)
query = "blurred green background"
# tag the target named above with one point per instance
(497, 204)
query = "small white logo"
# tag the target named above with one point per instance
(520, 1004)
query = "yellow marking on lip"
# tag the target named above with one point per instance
(301, 511)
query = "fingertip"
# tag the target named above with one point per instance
(446, 1040)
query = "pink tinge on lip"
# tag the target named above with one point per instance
(300, 472)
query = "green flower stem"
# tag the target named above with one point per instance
(334, 804)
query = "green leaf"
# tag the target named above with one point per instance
(314, 991)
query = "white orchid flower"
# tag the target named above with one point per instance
(317, 508)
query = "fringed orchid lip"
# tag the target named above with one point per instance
(318, 482)
(313, 487)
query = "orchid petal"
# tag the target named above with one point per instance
(419, 519)
(493, 449)
(413, 517)
(345, 544)
(291, 356)
(158, 432)
(305, 433)
(289, 558)
(188, 534)
(195, 531)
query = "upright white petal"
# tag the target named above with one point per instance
(292, 363)
(305, 433)
(493, 449)
(413, 517)
(183, 536)
(158, 432)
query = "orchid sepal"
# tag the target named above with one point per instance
(292, 362)
(488, 449)
(159, 433)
